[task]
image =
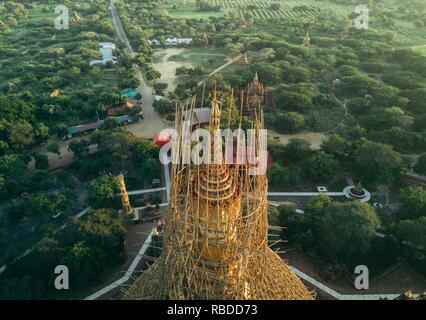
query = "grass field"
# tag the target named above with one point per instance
(209, 58)
(421, 49)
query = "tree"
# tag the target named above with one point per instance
(336, 145)
(150, 168)
(348, 228)
(12, 166)
(297, 149)
(420, 166)
(275, 6)
(412, 203)
(104, 229)
(290, 122)
(266, 54)
(280, 175)
(102, 191)
(320, 167)
(41, 161)
(378, 163)
(144, 149)
(412, 231)
(41, 132)
(110, 123)
(298, 225)
(53, 147)
(84, 262)
(21, 134)
(80, 148)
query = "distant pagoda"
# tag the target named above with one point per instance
(244, 60)
(306, 41)
(216, 235)
(344, 33)
(254, 96)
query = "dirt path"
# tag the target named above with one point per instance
(221, 67)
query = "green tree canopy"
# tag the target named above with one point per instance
(320, 166)
(102, 190)
(412, 202)
(348, 228)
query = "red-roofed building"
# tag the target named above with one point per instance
(124, 108)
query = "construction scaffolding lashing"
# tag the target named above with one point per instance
(215, 242)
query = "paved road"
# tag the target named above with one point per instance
(119, 28)
(152, 122)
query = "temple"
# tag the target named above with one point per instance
(216, 234)
(253, 97)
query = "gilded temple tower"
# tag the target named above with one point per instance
(216, 234)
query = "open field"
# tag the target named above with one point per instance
(209, 58)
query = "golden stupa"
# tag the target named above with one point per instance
(216, 236)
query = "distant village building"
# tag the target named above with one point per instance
(171, 42)
(154, 43)
(106, 49)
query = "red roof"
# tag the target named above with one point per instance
(160, 139)
(123, 108)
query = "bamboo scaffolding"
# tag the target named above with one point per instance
(215, 243)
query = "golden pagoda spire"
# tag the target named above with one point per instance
(214, 111)
(125, 201)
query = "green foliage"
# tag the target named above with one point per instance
(412, 203)
(336, 145)
(84, 262)
(298, 225)
(378, 163)
(40, 206)
(420, 166)
(41, 161)
(297, 149)
(280, 175)
(289, 122)
(102, 191)
(320, 167)
(348, 228)
(413, 232)
(165, 106)
(80, 148)
(53, 147)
